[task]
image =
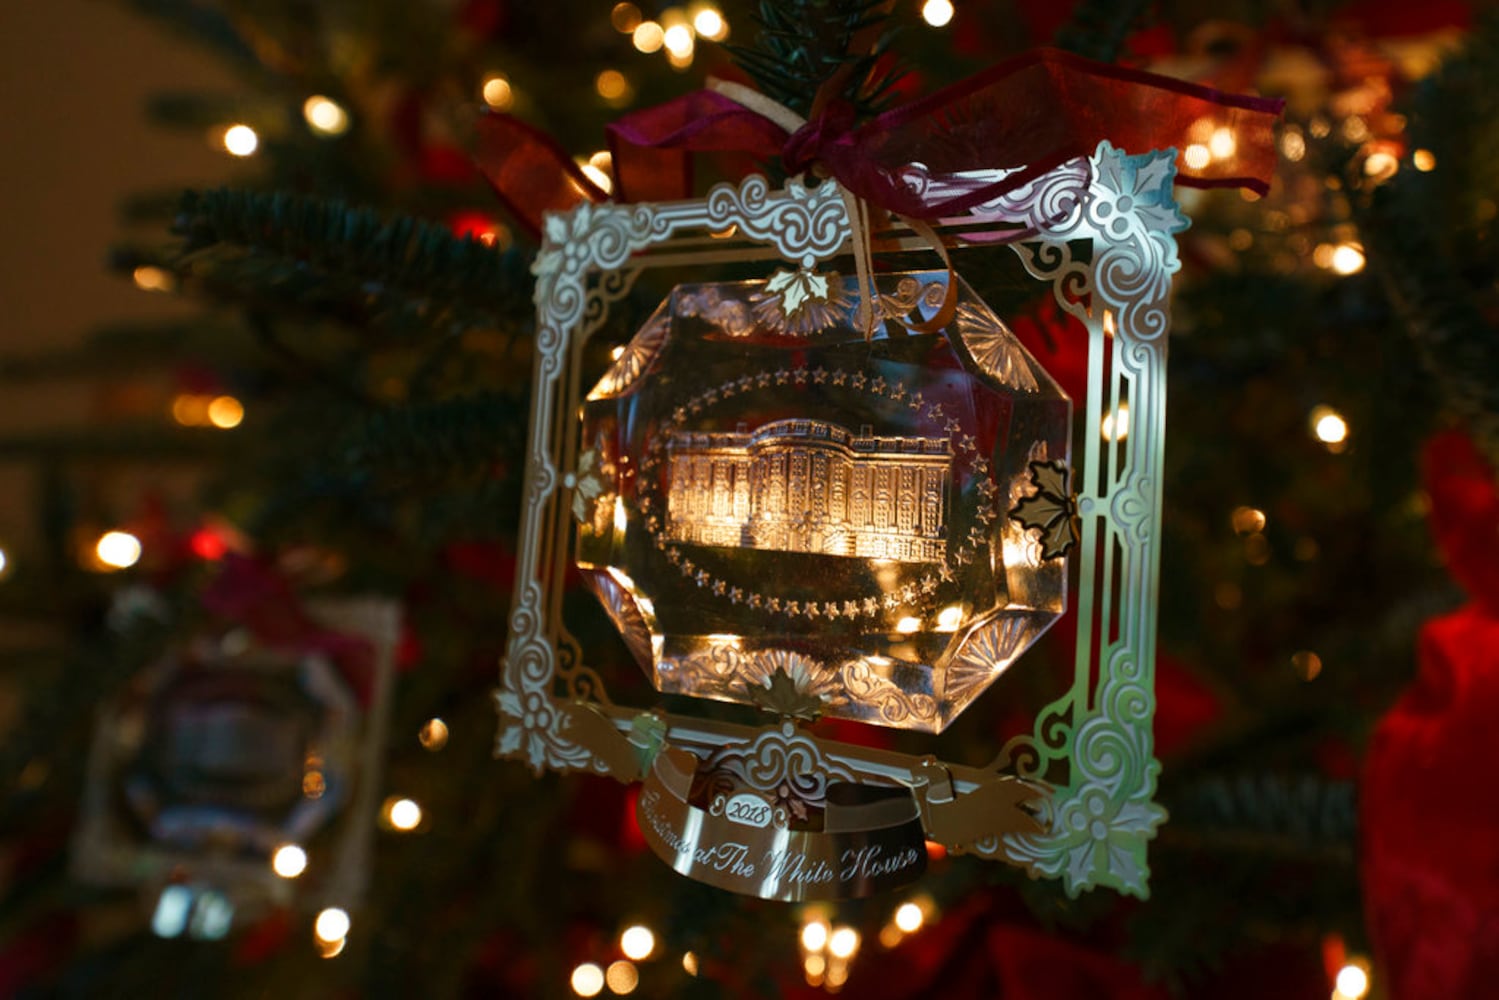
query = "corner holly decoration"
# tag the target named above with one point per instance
(1051, 509)
(818, 492)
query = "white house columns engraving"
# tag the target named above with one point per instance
(810, 486)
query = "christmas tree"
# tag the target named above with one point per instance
(350, 401)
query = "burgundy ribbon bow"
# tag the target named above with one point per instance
(942, 155)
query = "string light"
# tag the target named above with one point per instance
(1380, 165)
(611, 85)
(402, 814)
(314, 784)
(1306, 664)
(433, 734)
(331, 925)
(1115, 426)
(710, 24)
(289, 861)
(1247, 520)
(225, 412)
(241, 140)
(637, 942)
(1353, 981)
(587, 980)
(843, 942)
(497, 92)
(1293, 144)
(625, 17)
(622, 977)
(1347, 258)
(325, 116)
(3, 562)
(1197, 156)
(937, 13)
(1424, 159)
(815, 935)
(1222, 144)
(1329, 427)
(118, 549)
(678, 40)
(689, 963)
(908, 917)
(153, 279)
(648, 37)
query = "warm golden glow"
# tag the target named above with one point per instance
(330, 949)
(937, 13)
(1293, 145)
(118, 549)
(289, 861)
(1247, 520)
(1222, 145)
(677, 40)
(588, 980)
(625, 17)
(1197, 156)
(611, 85)
(949, 618)
(3, 562)
(190, 410)
(1328, 425)
(908, 625)
(637, 942)
(815, 935)
(433, 734)
(815, 965)
(1115, 426)
(1347, 258)
(153, 279)
(225, 412)
(617, 352)
(709, 24)
(314, 785)
(331, 925)
(1306, 664)
(1424, 159)
(600, 179)
(1353, 981)
(689, 963)
(241, 140)
(648, 37)
(622, 977)
(843, 943)
(908, 917)
(403, 814)
(498, 93)
(325, 116)
(1380, 165)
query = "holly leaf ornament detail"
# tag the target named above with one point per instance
(1051, 510)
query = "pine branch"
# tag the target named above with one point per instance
(323, 258)
(1268, 813)
(803, 44)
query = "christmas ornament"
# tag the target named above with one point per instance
(819, 494)
(240, 772)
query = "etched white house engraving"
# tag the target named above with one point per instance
(804, 485)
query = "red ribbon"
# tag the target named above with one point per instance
(1029, 114)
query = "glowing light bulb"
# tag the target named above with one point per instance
(153, 279)
(289, 861)
(1347, 259)
(241, 140)
(637, 942)
(1247, 520)
(403, 814)
(1352, 981)
(648, 37)
(434, 734)
(937, 12)
(908, 917)
(625, 17)
(622, 977)
(1197, 156)
(843, 943)
(325, 116)
(331, 925)
(1381, 165)
(689, 963)
(225, 412)
(815, 936)
(1328, 426)
(1424, 159)
(611, 85)
(1222, 145)
(587, 980)
(497, 92)
(118, 549)
(678, 40)
(709, 24)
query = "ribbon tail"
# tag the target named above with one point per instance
(529, 172)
